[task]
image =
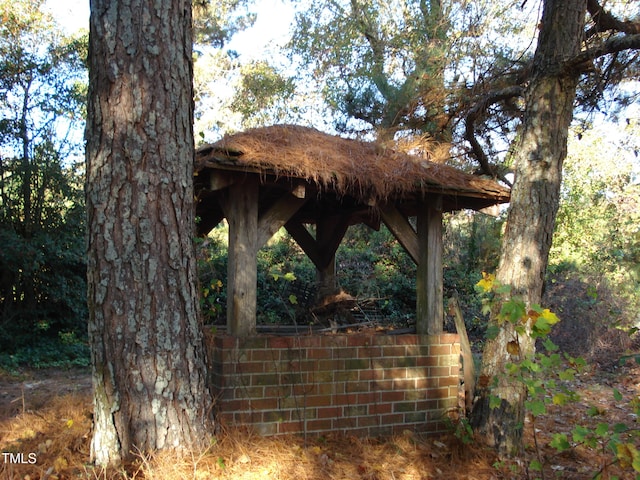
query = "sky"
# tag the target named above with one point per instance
(271, 27)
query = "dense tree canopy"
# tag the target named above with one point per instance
(42, 85)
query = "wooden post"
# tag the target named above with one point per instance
(329, 234)
(468, 367)
(241, 209)
(429, 281)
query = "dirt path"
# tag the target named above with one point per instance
(33, 390)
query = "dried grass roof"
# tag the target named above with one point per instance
(361, 169)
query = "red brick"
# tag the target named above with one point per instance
(442, 392)
(370, 352)
(328, 389)
(368, 421)
(380, 408)
(395, 373)
(234, 405)
(440, 350)
(427, 405)
(344, 352)
(392, 419)
(264, 355)
(383, 339)
(439, 372)
(329, 412)
(369, 397)
(343, 423)
(250, 367)
(447, 381)
(358, 340)
(449, 338)
(263, 403)
(382, 385)
(304, 389)
(252, 343)
(317, 400)
(319, 425)
(394, 351)
(330, 365)
(404, 384)
(391, 396)
(407, 340)
(280, 342)
(291, 427)
(334, 341)
(427, 361)
(357, 387)
(318, 352)
(371, 374)
(345, 399)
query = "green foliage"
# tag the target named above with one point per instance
(598, 222)
(42, 285)
(547, 377)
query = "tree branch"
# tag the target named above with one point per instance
(475, 113)
(605, 21)
(583, 61)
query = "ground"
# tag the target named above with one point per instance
(46, 417)
(45, 426)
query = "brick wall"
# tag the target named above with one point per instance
(366, 384)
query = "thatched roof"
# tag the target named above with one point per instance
(363, 170)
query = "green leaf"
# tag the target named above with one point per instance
(560, 399)
(620, 428)
(293, 299)
(536, 407)
(568, 374)
(580, 434)
(617, 395)
(513, 310)
(535, 466)
(494, 401)
(289, 276)
(602, 429)
(560, 442)
(550, 346)
(492, 332)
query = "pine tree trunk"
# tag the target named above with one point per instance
(540, 153)
(148, 357)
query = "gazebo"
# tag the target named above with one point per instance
(266, 178)
(364, 383)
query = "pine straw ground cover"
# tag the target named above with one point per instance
(57, 429)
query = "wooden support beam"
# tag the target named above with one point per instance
(277, 216)
(400, 227)
(468, 365)
(429, 281)
(220, 180)
(306, 241)
(241, 210)
(329, 234)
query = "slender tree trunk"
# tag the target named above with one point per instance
(148, 357)
(541, 150)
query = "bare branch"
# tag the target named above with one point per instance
(475, 113)
(583, 62)
(605, 21)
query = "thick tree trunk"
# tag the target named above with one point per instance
(535, 195)
(148, 357)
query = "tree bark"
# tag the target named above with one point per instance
(148, 356)
(541, 150)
